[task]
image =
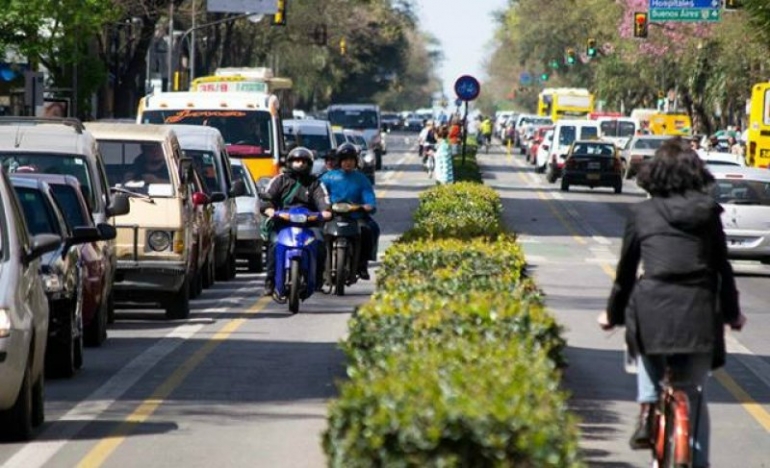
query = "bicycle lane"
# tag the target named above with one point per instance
(571, 241)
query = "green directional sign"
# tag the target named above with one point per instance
(686, 14)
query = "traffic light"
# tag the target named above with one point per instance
(343, 46)
(591, 48)
(640, 24)
(544, 77)
(279, 18)
(554, 64)
(571, 57)
(732, 4)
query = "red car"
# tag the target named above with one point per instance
(536, 140)
(95, 264)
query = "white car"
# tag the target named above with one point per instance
(717, 158)
(744, 194)
(248, 240)
(543, 151)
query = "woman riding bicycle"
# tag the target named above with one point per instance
(675, 311)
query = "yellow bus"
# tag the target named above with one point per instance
(670, 123)
(250, 123)
(758, 132)
(570, 103)
(249, 80)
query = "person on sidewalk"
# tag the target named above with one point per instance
(678, 307)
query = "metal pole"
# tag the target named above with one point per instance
(192, 44)
(465, 130)
(171, 68)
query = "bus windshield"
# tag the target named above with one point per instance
(238, 127)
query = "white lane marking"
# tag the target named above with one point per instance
(601, 240)
(37, 453)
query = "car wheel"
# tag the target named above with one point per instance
(232, 266)
(96, 332)
(619, 186)
(551, 176)
(564, 184)
(38, 401)
(177, 305)
(60, 354)
(16, 423)
(196, 286)
(255, 263)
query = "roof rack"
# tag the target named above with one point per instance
(68, 121)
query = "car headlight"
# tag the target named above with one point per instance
(298, 218)
(52, 283)
(5, 323)
(159, 240)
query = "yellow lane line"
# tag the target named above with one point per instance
(99, 454)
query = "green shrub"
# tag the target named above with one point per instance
(390, 323)
(451, 266)
(463, 210)
(462, 403)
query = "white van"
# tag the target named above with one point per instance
(618, 130)
(564, 133)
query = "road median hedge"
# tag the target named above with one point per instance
(454, 361)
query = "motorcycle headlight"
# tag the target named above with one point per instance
(159, 240)
(341, 207)
(5, 323)
(298, 218)
(368, 158)
(52, 283)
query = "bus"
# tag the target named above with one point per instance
(250, 80)
(250, 123)
(758, 131)
(559, 103)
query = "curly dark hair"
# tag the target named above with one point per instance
(674, 170)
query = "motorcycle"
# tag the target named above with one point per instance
(296, 257)
(344, 235)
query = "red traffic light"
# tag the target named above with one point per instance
(640, 24)
(641, 18)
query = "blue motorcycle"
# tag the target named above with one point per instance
(296, 257)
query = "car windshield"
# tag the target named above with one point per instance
(741, 192)
(73, 165)
(350, 118)
(360, 141)
(245, 128)
(206, 165)
(137, 166)
(649, 143)
(67, 198)
(240, 173)
(40, 218)
(320, 143)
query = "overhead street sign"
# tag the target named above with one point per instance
(686, 14)
(686, 10)
(262, 7)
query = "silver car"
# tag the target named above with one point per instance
(639, 149)
(248, 243)
(23, 319)
(744, 193)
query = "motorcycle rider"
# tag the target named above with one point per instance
(296, 186)
(347, 184)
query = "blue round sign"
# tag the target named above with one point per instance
(467, 88)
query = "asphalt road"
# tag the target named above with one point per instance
(243, 383)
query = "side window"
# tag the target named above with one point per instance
(226, 168)
(104, 184)
(20, 223)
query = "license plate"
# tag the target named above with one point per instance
(592, 176)
(736, 242)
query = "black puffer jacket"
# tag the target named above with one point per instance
(311, 193)
(687, 290)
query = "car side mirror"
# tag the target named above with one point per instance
(84, 235)
(238, 189)
(185, 168)
(107, 231)
(41, 244)
(120, 205)
(200, 198)
(217, 197)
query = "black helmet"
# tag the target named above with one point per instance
(347, 151)
(300, 153)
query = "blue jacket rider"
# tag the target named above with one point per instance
(349, 185)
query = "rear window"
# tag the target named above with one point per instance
(741, 192)
(589, 150)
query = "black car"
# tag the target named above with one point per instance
(61, 272)
(593, 164)
(390, 121)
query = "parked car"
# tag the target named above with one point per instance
(248, 244)
(744, 194)
(156, 262)
(96, 265)
(204, 232)
(639, 149)
(63, 276)
(65, 147)
(594, 164)
(23, 319)
(208, 151)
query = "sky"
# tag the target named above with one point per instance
(464, 27)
